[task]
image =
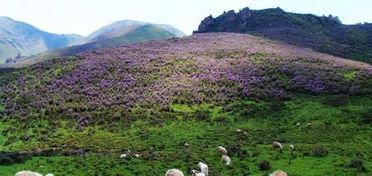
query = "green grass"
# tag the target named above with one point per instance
(350, 75)
(160, 142)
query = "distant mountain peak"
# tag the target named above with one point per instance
(21, 39)
(127, 23)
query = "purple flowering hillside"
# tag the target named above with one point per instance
(202, 68)
(155, 96)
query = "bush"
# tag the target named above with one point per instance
(7, 158)
(255, 154)
(335, 101)
(357, 163)
(264, 165)
(367, 117)
(320, 152)
(201, 115)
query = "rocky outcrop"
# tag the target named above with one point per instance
(322, 33)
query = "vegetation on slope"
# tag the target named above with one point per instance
(324, 34)
(151, 98)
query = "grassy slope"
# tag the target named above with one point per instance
(337, 127)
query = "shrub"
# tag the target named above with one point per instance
(201, 115)
(335, 101)
(357, 163)
(264, 165)
(234, 148)
(255, 154)
(12, 158)
(367, 117)
(320, 152)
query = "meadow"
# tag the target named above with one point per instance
(75, 116)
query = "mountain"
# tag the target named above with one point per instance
(172, 102)
(19, 39)
(324, 34)
(125, 24)
(120, 36)
(118, 33)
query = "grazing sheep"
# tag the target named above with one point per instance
(298, 124)
(196, 173)
(245, 133)
(186, 145)
(279, 173)
(174, 172)
(226, 159)
(27, 173)
(277, 145)
(222, 150)
(238, 130)
(136, 155)
(291, 147)
(203, 168)
(124, 155)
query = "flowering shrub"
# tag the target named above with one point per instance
(204, 68)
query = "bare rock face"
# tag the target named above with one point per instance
(246, 13)
(206, 23)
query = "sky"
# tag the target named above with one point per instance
(85, 16)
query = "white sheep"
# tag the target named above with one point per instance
(226, 159)
(27, 173)
(196, 173)
(291, 147)
(174, 172)
(238, 130)
(203, 168)
(277, 145)
(279, 173)
(124, 155)
(222, 150)
(136, 155)
(298, 124)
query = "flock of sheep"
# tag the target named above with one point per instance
(176, 172)
(227, 160)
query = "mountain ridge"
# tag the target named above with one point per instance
(22, 39)
(127, 23)
(325, 34)
(137, 34)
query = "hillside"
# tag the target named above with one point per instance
(75, 116)
(324, 34)
(127, 25)
(127, 35)
(18, 39)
